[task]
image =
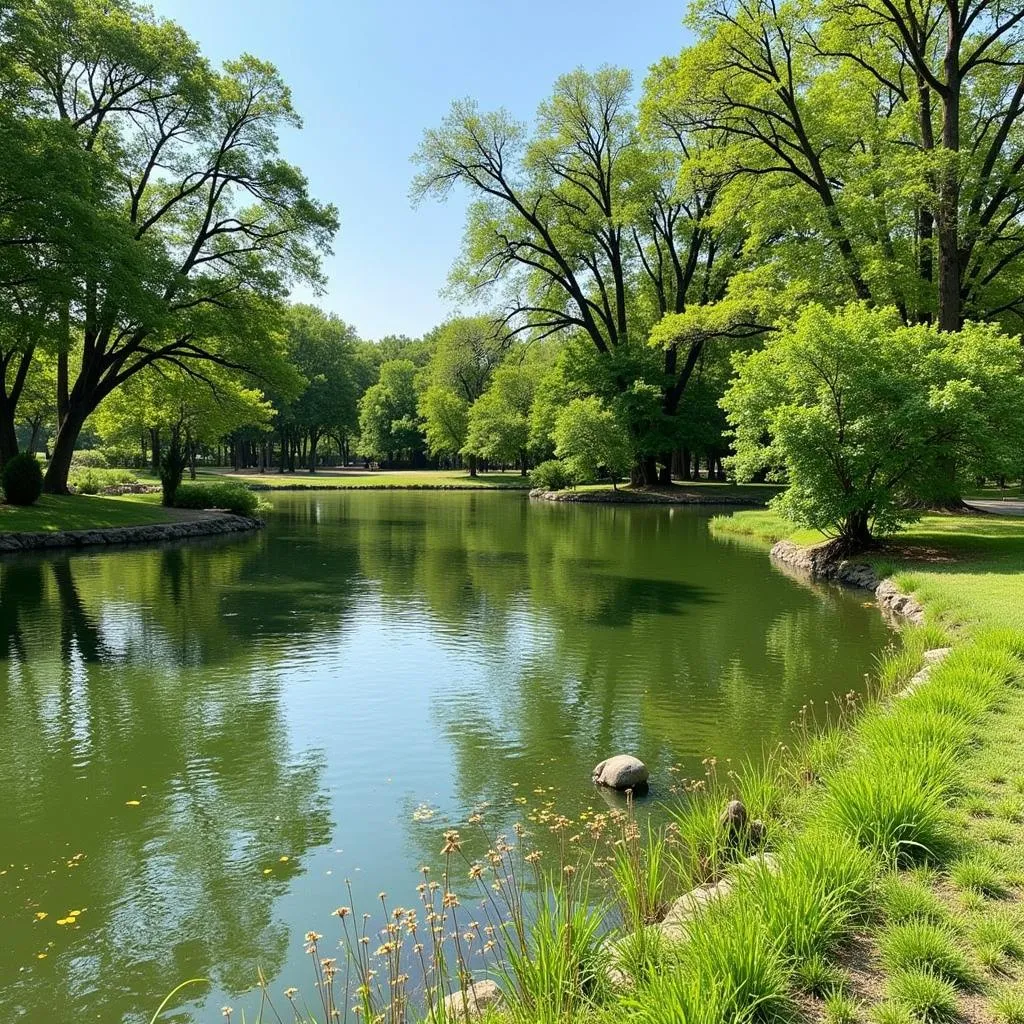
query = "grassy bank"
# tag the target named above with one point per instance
(53, 513)
(358, 479)
(708, 491)
(877, 876)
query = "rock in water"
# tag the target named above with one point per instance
(479, 997)
(621, 772)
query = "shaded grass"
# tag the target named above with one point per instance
(53, 513)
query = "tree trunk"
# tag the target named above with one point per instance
(312, 452)
(8, 435)
(154, 454)
(949, 195)
(471, 459)
(687, 462)
(56, 479)
(665, 473)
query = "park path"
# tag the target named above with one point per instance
(1000, 506)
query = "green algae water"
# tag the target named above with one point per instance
(199, 744)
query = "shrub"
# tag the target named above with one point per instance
(917, 945)
(591, 438)
(552, 475)
(925, 995)
(22, 479)
(230, 496)
(92, 481)
(90, 459)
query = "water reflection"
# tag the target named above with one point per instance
(198, 743)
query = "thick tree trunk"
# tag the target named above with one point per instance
(8, 435)
(686, 464)
(472, 464)
(312, 453)
(56, 479)
(665, 473)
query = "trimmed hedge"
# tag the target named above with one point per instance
(23, 479)
(231, 497)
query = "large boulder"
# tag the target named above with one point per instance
(621, 772)
(479, 997)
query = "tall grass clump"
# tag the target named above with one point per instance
(811, 899)
(731, 969)
(918, 944)
(697, 847)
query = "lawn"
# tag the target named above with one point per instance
(382, 479)
(82, 512)
(968, 571)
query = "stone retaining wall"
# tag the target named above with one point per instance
(208, 524)
(814, 562)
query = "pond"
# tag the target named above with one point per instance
(199, 744)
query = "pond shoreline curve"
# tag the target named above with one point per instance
(198, 524)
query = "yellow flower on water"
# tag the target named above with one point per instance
(40, 956)
(284, 860)
(132, 803)
(41, 915)
(74, 913)
(65, 920)
(266, 871)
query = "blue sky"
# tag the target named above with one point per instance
(368, 77)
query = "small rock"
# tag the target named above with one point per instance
(757, 831)
(734, 819)
(621, 772)
(480, 996)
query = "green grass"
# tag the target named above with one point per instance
(705, 490)
(53, 513)
(357, 479)
(966, 570)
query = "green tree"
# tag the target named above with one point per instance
(863, 415)
(592, 441)
(590, 230)
(445, 416)
(186, 159)
(185, 408)
(388, 424)
(464, 354)
(499, 420)
(322, 348)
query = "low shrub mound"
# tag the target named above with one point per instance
(22, 480)
(88, 480)
(552, 475)
(92, 458)
(228, 497)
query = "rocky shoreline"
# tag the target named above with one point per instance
(634, 497)
(814, 562)
(205, 524)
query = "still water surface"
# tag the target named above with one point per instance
(334, 691)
